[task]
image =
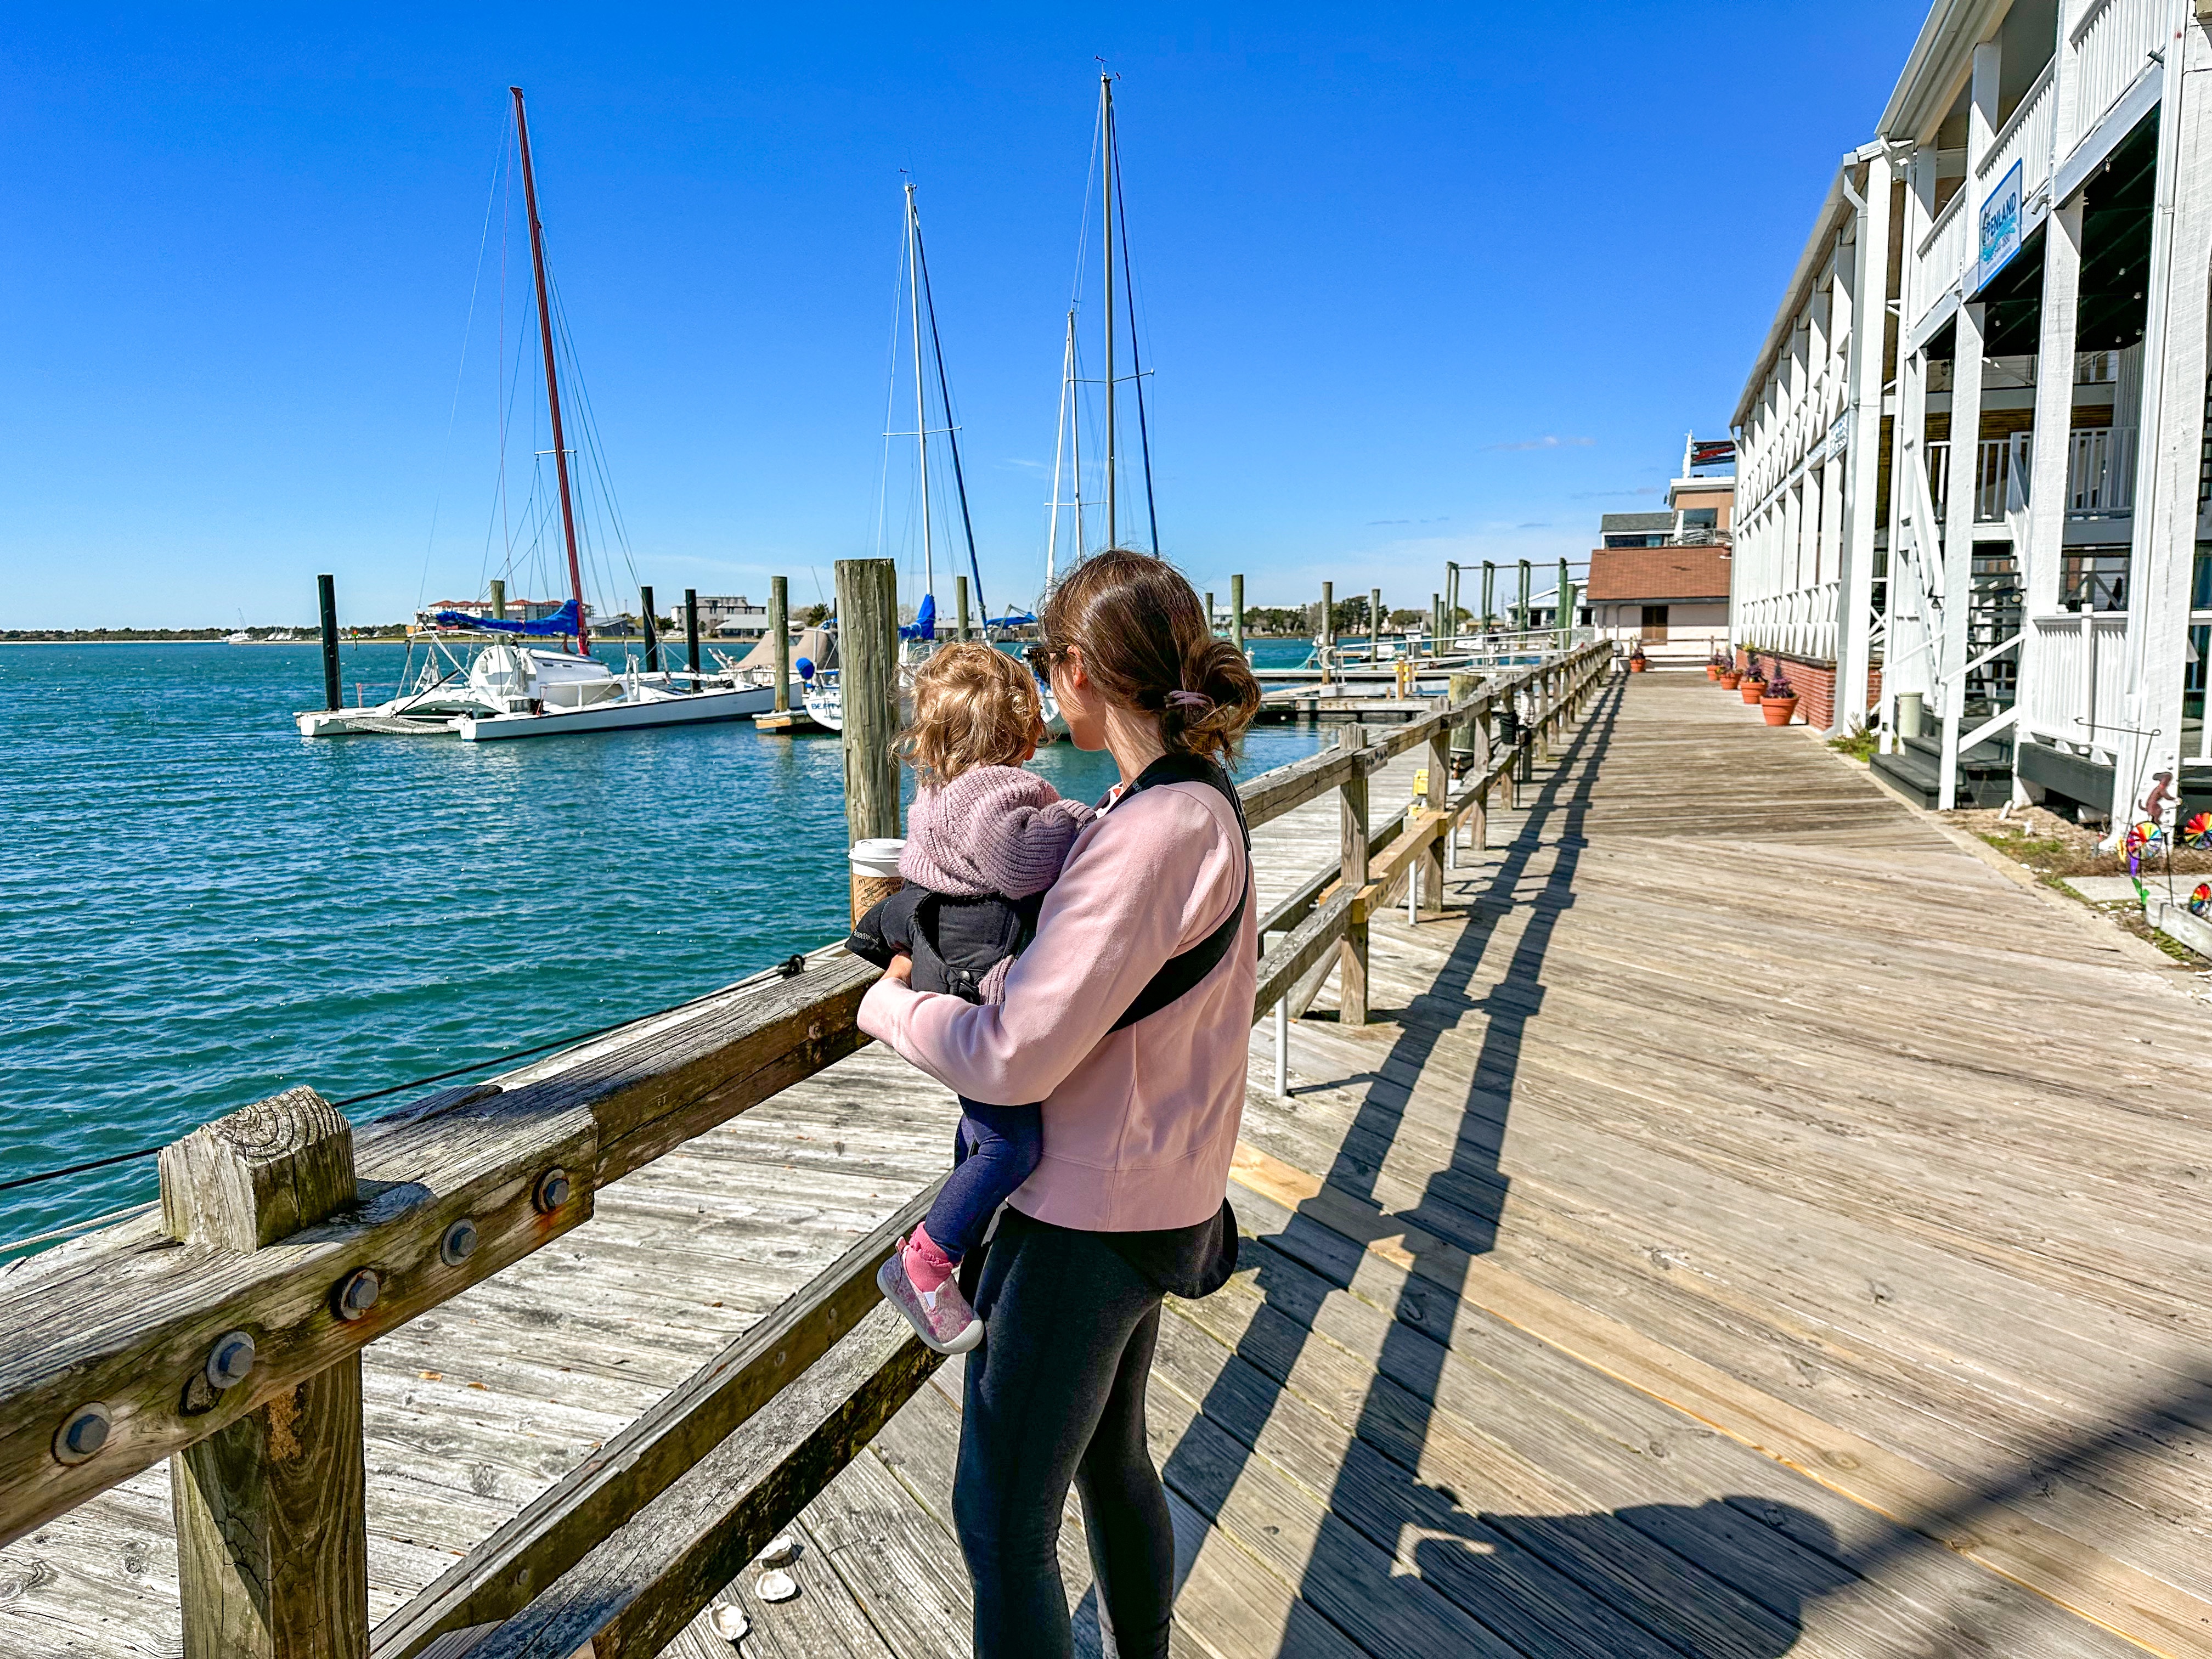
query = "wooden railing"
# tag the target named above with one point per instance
(225, 1335)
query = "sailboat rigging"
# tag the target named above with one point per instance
(515, 687)
(1118, 309)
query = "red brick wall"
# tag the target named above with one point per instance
(1815, 682)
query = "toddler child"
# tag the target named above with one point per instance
(984, 840)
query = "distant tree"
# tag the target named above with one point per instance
(1408, 618)
(815, 615)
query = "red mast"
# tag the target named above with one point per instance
(552, 384)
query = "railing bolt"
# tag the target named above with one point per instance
(459, 1243)
(83, 1433)
(230, 1360)
(552, 1191)
(357, 1293)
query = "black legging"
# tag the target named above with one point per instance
(1055, 1394)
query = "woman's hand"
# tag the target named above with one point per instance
(902, 969)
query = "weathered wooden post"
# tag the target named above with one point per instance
(1237, 607)
(1521, 609)
(1489, 596)
(1209, 610)
(1432, 799)
(867, 683)
(1435, 624)
(326, 601)
(778, 628)
(1325, 636)
(691, 627)
(1563, 608)
(1352, 950)
(272, 1544)
(960, 607)
(652, 634)
(498, 599)
(1463, 688)
(1451, 602)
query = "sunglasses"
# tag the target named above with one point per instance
(1041, 658)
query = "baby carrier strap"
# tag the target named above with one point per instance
(958, 941)
(1182, 972)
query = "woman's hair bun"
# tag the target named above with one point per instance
(1147, 643)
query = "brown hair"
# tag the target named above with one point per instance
(1148, 645)
(972, 706)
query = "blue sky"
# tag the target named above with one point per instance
(1419, 283)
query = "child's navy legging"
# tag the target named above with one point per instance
(996, 1151)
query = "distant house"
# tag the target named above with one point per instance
(1660, 579)
(1674, 600)
(731, 616)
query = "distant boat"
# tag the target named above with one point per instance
(517, 688)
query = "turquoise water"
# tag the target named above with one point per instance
(202, 908)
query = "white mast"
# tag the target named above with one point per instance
(1106, 152)
(921, 413)
(1067, 390)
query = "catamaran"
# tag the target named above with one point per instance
(519, 687)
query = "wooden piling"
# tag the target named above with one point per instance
(779, 628)
(867, 680)
(498, 599)
(1351, 952)
(272, 1542)
(1374, 627)
(652, 634)
(1476, 746)
(691, 626)
(1236, 611)
(960, 607)
(326, 601)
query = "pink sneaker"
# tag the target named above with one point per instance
(942, 1317)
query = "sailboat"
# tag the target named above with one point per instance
(823, 699)
(1108, 433)
(519, 687)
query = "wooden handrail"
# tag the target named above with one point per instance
(127, 1318)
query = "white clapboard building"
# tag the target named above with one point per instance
(1972, 472)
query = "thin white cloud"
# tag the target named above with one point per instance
(1548, 441)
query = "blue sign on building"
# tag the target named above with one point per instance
(2000, 227)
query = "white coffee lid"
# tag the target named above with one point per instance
(877, 857)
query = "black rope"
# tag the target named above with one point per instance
(789, 968)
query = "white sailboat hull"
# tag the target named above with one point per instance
(695, 709)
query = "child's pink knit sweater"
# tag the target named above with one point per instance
(1139, 1124)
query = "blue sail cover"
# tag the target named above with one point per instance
(1012, 619)
(563, 621)
(924, 625)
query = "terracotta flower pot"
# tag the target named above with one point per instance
(1753, 690)
(1712, 670)
(1778, 710)
(1728, 678)
(1637, 665)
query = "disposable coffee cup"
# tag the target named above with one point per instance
(874, 871)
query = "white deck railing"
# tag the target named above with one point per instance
(2100, 472)
(2111, 45)
(2026, 138)
(2076, 691)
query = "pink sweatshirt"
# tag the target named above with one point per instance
(1139, 1124)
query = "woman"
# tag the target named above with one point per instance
(1128, 1017)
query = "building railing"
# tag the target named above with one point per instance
(2111, 44)
(2077, 693)
(2026, 138)
(232, 1322)
(2101, 473)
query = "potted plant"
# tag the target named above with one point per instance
(1716, 666)
(1779, 701)
(1752, 685)
(1636, 661)
(1730, 673)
